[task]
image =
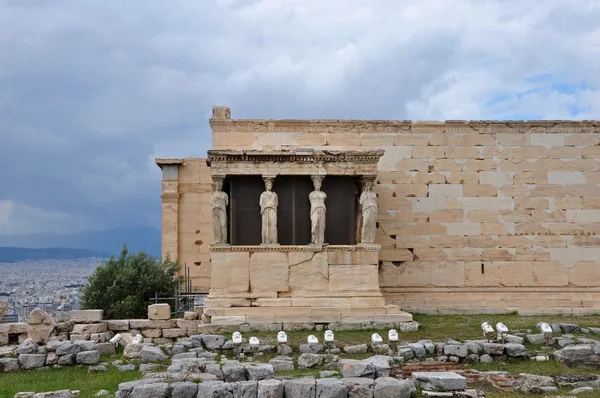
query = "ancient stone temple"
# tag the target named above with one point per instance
(360, 220)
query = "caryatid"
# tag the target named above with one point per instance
(268, 212)
(317, 211)
(218, 206)
(368, 203)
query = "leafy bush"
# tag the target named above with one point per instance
(123, 286)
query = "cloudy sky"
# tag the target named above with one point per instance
(91, 91)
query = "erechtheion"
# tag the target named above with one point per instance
(352, 220)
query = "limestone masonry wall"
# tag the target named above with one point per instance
(473, 216)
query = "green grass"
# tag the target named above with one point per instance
(544, 368)
(436, 328)
(433, 327)
(71, 378)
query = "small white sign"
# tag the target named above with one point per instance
(312, 339)
(254, 342)
(282, 337)
(393, 335)
(376, 339)
(137, 339)
(329, 337)
(236, 337)
(487, 328)
(545, 327)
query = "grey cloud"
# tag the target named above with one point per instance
(90, 92)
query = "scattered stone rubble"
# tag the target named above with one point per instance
(225, 369)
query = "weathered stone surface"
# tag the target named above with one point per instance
(215, 389)
(356, 368)
(38, 316)
(151, 390)
(389, 387)
(67, 348)
(418, 349)
(493, 348)
(184, 390)
(515, 350)
(245, 389)
(40, 333)
(133, 351)
(89, 328)
(359, 387)
(577, 356)
(85, 345)
(300, 388)
(87, 357)
(105, 348)
(86, 316)
(152, 354)
(331, 388)
(532, 383)
(66, 360)
(485, 358)
(406, 353)
(118, 325)
(439, 381)
(27, 347)
(569, 327)
(159, 311)
(460, 351)
(9, 364)
(312, 348)
(382, 364)
(32, 361)
(233, 372)
(259, 371)
(152, 323)
(355, 349)
(535, 338)
(270, 389)
(309, 360)
(213, 341)
(282, 364)
(58, 394)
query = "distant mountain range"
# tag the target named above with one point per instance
(14, 254)
(106, 242)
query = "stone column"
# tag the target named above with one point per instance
(368, 209)
(170, 210)
(218, 207)
(268, 212)
(317, 211)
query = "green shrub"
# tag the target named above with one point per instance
(123, 286)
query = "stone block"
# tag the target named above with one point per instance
(230, 271)
(118, 325)
(439, 381)
(300, 388)
(269, 272)
(353, 277)
(174, 333)
(89, 328)
(389, 387)
(86, 316)
(159, 311)
(270, 389)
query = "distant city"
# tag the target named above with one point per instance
(52, 285)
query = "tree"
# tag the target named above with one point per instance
(123, 286)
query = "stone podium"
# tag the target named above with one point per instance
(311, 283)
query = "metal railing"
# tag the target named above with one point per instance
(185, 298)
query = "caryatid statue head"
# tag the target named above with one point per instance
(218, 184)
(317, 180)
(268, 183)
